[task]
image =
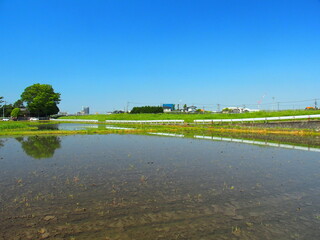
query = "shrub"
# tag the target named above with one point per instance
(15, 112)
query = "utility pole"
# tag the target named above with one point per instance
(315, 104)
(218, 107)
(278, 105)
(273, 107)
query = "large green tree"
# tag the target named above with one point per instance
(18, 104)
(41, 100)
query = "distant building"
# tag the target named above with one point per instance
(118, 111)
(238, 110)
(168, 107)
(24, 114)
(63, 113)
(85, 110)
(191, 109)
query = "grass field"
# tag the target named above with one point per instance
(10, 126)
(4, 126)
(190, 117)
(27, 127)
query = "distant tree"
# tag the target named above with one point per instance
(15, 112)
(6, 109)
(41, 100)
(1, 101)
(147, 109)
(18, 104)
(227, 110)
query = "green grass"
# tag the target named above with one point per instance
(21, 125)
(12, 125)
(179, 129)
(190, 117)
(29, 128)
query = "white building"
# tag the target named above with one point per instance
(239, 110)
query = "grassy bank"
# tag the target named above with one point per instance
(191, 116)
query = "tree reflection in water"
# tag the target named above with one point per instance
(40, 147)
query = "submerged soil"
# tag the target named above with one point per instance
(148, 187)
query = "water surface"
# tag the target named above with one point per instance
(150, 187)
(77, 126)
(66, 126)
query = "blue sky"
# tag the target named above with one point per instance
(103, 54)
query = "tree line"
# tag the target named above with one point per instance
(147, 109)
(37, 100)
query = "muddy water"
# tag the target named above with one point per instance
(150, 187)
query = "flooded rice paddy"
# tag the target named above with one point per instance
(156, 187)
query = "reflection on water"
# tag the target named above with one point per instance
(167, 134)
(39, 147)
(48, 127)
(150, 187)
(77, 126)
(298, 143)
(270, 144)
(118, 128)
(66, 126)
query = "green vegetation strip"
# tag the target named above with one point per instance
(190, 117)
(65, 132)
(24, 129)
(13, 126)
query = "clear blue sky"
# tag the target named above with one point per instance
(103, 54)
